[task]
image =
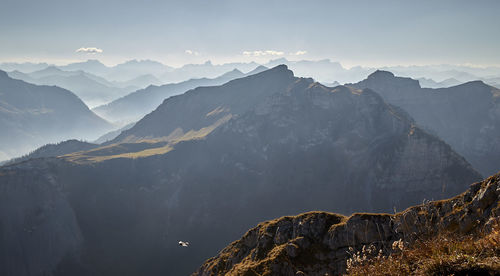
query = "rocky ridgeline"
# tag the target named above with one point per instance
(319, 243)
(466, 116)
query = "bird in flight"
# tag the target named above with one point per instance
(183, 244)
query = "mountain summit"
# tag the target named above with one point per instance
(206, 106)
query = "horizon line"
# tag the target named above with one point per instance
(65, 62)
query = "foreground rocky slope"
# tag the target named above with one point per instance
(252, 149)
(318, 243)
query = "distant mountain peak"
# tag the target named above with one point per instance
(381, 74)
(261, 67)
(281, 69)
(258, 69)
(95, 61)
(381, 77)
(235, 73)
(88, 62)
(51, 68)
(235, 70)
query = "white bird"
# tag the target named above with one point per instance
(183, 244)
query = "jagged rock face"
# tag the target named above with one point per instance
(290, 145)
(317, 243)
(465, 116)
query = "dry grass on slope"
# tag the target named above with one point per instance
(445, 254)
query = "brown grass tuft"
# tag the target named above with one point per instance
(445, 254)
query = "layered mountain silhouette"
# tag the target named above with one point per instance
(112, 134)
(92, 66)
(32, 115)
(134, 106)
(466, 116)
(325, 71)
(139, 82)
(210, 163)
(430, 83)
(134, 68)
(121, 72)
(204, 70)
(92, 89)
(23, 67)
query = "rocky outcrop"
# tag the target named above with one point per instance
(319, 243)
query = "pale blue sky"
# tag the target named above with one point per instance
(353, 32)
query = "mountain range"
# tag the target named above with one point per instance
(325, 70)
(195, 168)
(430, 83)
(33, 115)
(134, 106)
(93, 90)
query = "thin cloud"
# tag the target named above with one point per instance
(263, 53)
(299, 53)
(89, 50)
(191, 52)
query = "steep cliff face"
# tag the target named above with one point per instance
(39, 231)
(318, 243)
(465, 116)
(285, 145)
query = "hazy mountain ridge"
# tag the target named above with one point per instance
(112, 134)
(134, 106)
(93, 90)
(288, 143)
(322, 70)
(466, 116)
(430, 83)
(32, 116)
